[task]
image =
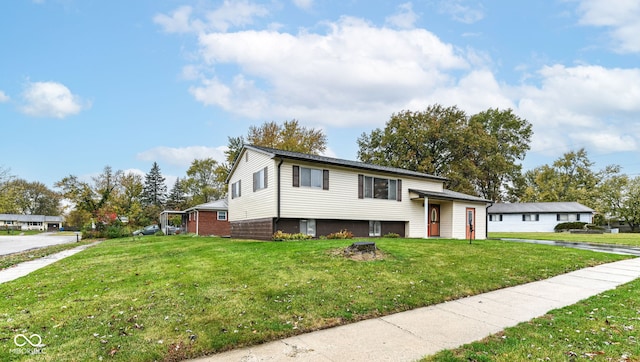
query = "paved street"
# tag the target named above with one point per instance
(10, 244)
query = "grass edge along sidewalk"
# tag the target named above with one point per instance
(602, 328)
(9, 260)
(171, 298)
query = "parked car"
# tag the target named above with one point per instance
(147, 230)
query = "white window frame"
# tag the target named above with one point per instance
(530, 217)
(369, 188)
(222, 215)
(311, 177)
(375, 228)
(495, 217)
(308, 227)
(236, 189)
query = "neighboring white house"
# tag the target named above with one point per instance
(536, 216)
(30, 222)
(271, 190)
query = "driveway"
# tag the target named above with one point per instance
(10, 244)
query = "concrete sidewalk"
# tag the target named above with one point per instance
(27, 267)
(411, 335)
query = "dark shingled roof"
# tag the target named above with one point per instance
(449, 195)
(538, 207)
(340, 162)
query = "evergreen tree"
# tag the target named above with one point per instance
(177, 196)
(155, 190)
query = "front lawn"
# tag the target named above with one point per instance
(629, 239)
(168, 298)
(601, 328)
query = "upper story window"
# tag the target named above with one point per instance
(260, 179)
(530, 217)
(236, 189)
(379, 188)
(495, 217)
(310, 177)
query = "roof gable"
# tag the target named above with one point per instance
(222, 205)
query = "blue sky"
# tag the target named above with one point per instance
(85, 84)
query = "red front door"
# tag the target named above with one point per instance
(471, 223)
(434, 220)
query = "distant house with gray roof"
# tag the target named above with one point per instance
(30, 222)
(535, 216)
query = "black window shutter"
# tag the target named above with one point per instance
(399, 192)
(266, 177)
(325, 179)
(578, 217)
(296, 176)
(537, 217)
(239, 188)
(500, 217)
(557, 217)
(523, 217)
(361, 186)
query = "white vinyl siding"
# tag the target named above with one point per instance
(253, 205)
(341, 200)
(546, 222)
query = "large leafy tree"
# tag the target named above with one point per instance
(289, 136)
(570, 178)
(479, 154)
(129, 197)
(427, 141)
(497, 145)
(94, 200)
(619, 200)
(202, 181)
(34, 198)
(7, 205)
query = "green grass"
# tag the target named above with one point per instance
(168, 298)
(12, 232)
(10, 260)
(629, 239)
(602, 328)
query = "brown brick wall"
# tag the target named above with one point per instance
(359, 228)
(258, 229)
(209, 224)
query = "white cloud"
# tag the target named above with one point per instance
(51, 99)
(179, 21)
(352, 74)
(229, 14)
(182, 157)
(405, 18)
(303, 4)
(582, 106)
(3, 97)
(461, 12)
(357, 74)
(621, 17)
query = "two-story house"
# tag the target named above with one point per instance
(271, 190)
